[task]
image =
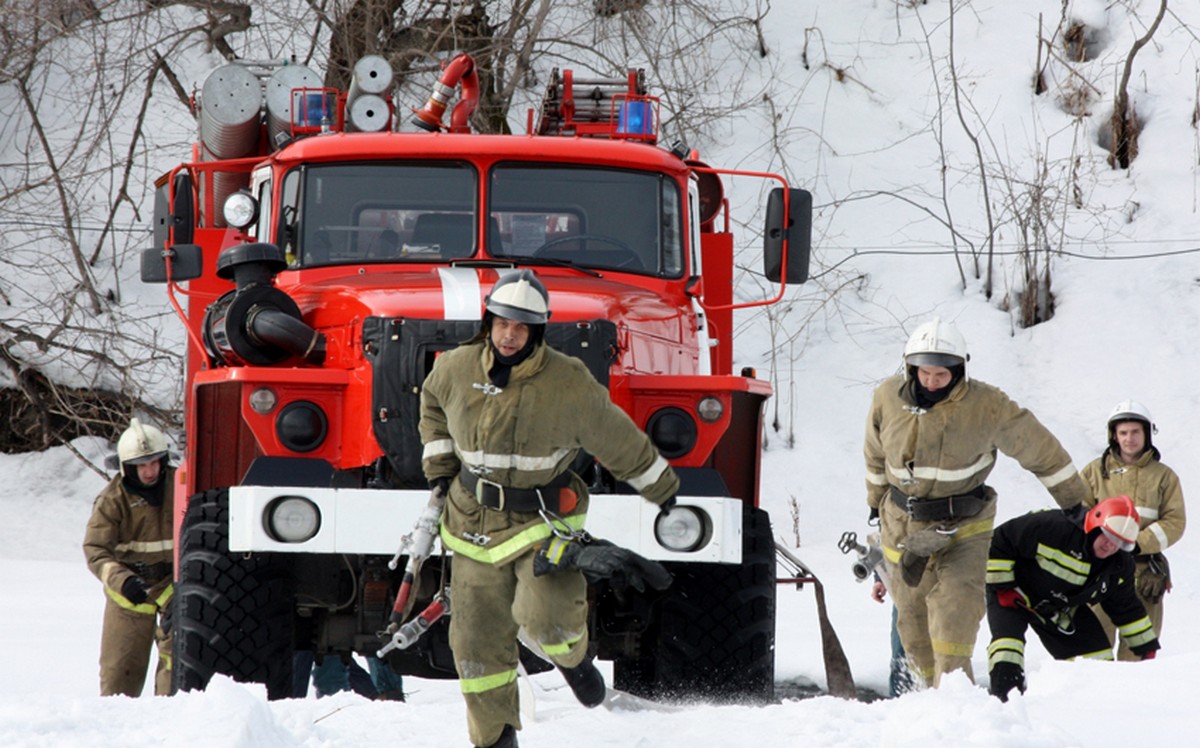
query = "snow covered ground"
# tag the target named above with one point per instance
(1124, 327)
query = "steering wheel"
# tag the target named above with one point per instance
(633, 260)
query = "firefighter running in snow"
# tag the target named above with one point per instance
(1043, 571)
(129, 548)
(1131, 466)
(931, 440)
(502, 418)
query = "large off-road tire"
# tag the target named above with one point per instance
(232, 612)
(714, 637)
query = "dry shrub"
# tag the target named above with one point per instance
(1075, 98)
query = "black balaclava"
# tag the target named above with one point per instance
(153, 494)
(926, 399)
(503, 365)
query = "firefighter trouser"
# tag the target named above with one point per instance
(939, 619)
(1154, 610)
(125, 651)
(1086, 638)
(489, 604)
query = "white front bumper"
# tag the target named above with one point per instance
(356, 520)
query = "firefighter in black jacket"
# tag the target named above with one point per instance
(1043, 572)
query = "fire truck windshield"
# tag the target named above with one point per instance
(589, 217)
(592, 217)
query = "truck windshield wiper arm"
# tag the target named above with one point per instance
(555, 261)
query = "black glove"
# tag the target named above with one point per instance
(442, 483)
(601, 560)
(665, 508)
(135, 590)
(1075, 513)
(873, 517)
(622, 567)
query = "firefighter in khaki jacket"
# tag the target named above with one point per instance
(129, 548)
(1131, 466)
(502, 418)
(1044, 570)
(931, 441)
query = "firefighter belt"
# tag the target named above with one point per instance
(496, 496)
(936, 510)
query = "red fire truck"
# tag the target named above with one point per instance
(320, 260)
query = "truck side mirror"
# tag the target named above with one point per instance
(797, 226)
(186, 263)
(184, 217)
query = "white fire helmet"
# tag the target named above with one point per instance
(936, 343)
(520, 296)
(1117, 518)
(141, 443)
(1131, 410)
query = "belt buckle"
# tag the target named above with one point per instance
(479, 485)
(910, 503)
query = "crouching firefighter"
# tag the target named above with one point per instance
(129, 547)
(502, 418)
(1044, 570)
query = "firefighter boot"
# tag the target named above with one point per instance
(507, 739)
(586, 681)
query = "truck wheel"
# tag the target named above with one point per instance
(714, 637)
(232, 612)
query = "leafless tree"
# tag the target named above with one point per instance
(83, 345)
(1124, 124)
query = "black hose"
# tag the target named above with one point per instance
(270, 326)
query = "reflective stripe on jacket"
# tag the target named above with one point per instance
(1155, 490)
(522, 436)
(950, 448)
(125, 534)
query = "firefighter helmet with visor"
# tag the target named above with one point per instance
(1117, 518)
(141, 443)
(936, 343)
(520, 296)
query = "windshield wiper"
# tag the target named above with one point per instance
(554, 261)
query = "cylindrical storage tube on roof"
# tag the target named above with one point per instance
(279, 98)
(372, 75)
(224, 184)
(366, 113)
(230, 107)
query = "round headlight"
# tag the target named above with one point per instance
(301, 426)
(292, 519)
(262, 400)
(673, 431)
(240, 210)
(710, 409)
(683, 529)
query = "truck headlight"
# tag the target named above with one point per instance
(263, 400)
(292, 519)
(683, 529)
(240, 209)
(710, 409)
(301, 426)
(673, 431)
